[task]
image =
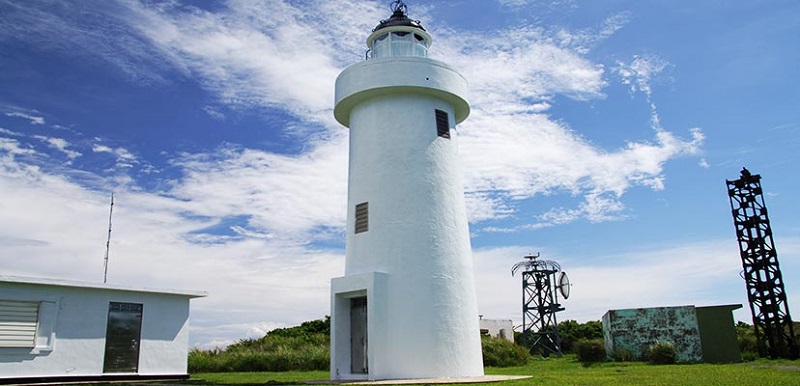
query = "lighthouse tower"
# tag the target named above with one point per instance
(406, 307)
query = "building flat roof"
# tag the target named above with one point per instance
(730, 306)
(102, 286)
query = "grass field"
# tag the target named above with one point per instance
(567, 371)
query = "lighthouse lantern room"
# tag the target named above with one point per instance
(398, 36)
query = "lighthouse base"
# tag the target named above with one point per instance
(354, 306)
(371, 339)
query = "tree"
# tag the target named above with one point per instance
(571, 331)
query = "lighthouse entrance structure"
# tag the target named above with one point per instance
(406, 305)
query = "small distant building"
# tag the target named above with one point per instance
(498, 328)
(62, 331)
(700, 334)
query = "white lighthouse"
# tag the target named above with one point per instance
(406, 307)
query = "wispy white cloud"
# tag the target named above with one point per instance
(639, 73)
(214, 113)
(514, 150)
(125, 159)
(95, 30)
(249, 58)
(248, 233)
(554, 4)
(11, 148)
(582, 41)
(61, 145)
(484, 205)
(34, 120)
(9, 132)
(516, 71)
(287, 196)
(522, 156)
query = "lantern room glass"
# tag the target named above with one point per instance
(399, 43)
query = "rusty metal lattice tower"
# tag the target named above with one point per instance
(540, 303)
(765, 292)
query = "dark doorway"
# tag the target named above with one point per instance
(123, 335)
(358, 335)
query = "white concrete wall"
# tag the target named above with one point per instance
(418, 232)
(79, 319)
(498, 328)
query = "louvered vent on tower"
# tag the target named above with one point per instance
(362, 217)
(442, 124)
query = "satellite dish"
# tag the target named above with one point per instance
(563, 285)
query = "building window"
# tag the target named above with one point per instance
(362, 217)
(442, 124)
(18, 323)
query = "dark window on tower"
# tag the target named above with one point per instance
(362, 217)
(442, 124)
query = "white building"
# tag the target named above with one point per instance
(406, 307)
(58, 331)
(498, 328)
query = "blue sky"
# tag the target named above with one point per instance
(601, 136)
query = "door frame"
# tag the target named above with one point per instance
(115, 308)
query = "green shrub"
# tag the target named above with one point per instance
(622, 355)
(749, 356)
(205, 360)
(796, 327)
(305, 347)
(499, 352)
(571, 332)
(590, 350)
(310, 328)
(662, 353)
(519, 338)
(748, 344)
(746, 338)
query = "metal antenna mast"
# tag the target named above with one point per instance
(108, 240)
(540, 303)
(768, 304)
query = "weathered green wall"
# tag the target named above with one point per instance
(718, 334)
(699, 334)
(636, 329)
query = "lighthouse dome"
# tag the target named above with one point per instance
(398, 18)
(398, 36)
